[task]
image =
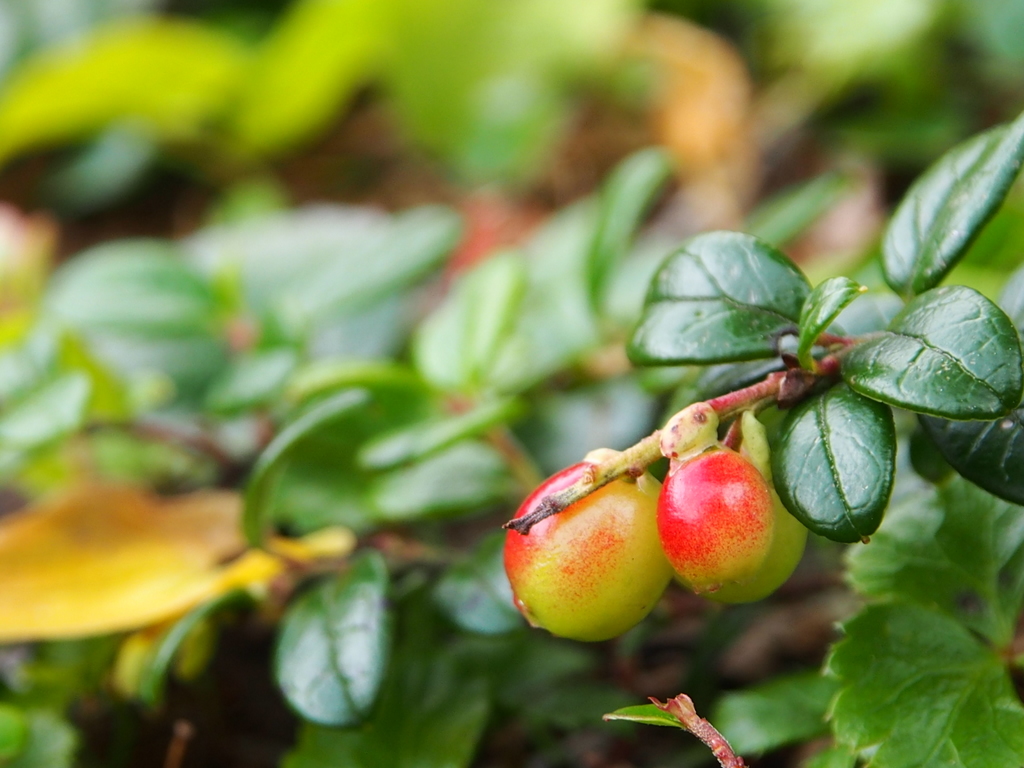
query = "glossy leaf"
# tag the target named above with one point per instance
(456, 347)
(946, 208)
(783, 711)
(172, 75)
(724, 297)
(950, 352)
(334, 642)
(431, 713)
(624, 200)
(957, 549)
(820, 309)
(872, 312)
(257, 495)
(420, 440)
(919, 689)
(475, 593)
(988, 453)
(834, 463)
(646, 714)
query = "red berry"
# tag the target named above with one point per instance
(716, 520)
(595, 569)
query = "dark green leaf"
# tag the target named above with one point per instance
(947, 207)
(957, 549)
(13, 732)
(834, 462)
(469, 476)
(920, 687)
(51, 742)
(334, 644)
(783, 711)
(951, 352)
(820, 309)
(158, 664)
(475, 592)
(264, 472)
(988, 453)
(647, 714)
(724, 297)
(789, 213)
(625, 198)
(431, 714)
(456, 347)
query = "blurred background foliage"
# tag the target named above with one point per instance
(368, 265)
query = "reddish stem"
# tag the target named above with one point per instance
(749, 397)
(682, 709)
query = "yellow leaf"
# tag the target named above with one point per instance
(103, 559)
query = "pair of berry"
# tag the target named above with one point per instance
(597, 568)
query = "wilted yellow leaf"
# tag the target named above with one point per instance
(103, 559)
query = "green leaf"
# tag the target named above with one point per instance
(789, 213)
(834, 463)
(457, 346)
(646, 714)
(624, 200)
(469, 476)
(315, 57)
(306, 267)
(52, 742)
(251, 381)
(833, 757)
(268, 465)
(950, 352)
(142, 309)
(158, 664)
(334, 644)
(988, 453)
(945, 209)
(53, 411)
(724, 297)
(820, 309)
(425, 438)
(871, 313)
(786, 710)
(957, 549)
(172, 75)
(920, 688)
(13, 732)
(475, 593)
(431, 714)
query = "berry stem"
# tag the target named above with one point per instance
(755, 396)
(632, 462)
(682, 709)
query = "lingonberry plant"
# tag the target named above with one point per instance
(924, 674)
